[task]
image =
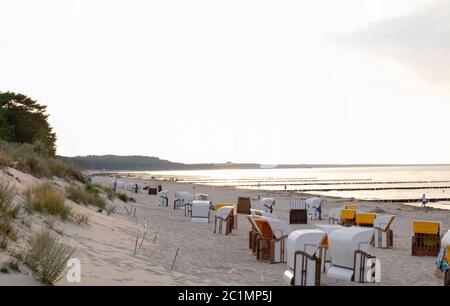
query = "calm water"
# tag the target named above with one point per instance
(404, 183)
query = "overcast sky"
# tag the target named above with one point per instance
(312, 81)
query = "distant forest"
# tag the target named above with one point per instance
(143, 163)
(148, 163)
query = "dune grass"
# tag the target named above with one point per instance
(89, 195)
(28, 158)
(7, 208)
(125, 198)
(47, 257)
(47, 199)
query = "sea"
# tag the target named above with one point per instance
(374, 183)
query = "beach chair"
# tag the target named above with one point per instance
(348, 217)
(152, 190)
(164, 198)
(384, 236)
(262, 213)
(426, 240)
(365, 219)
(244, 205)
(303, 257)
(298, 212)
(117, 185)
(254, 231)
(270, 246)
(443, 260)
(267, 204)
(351, 206)
(200, 211)
(201, 197)
(314, 206)
(182, 199)
(334, 216)
(224, 215)
(348, 249)
(325, 254)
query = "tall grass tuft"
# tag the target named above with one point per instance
(47, 199)
(7, 209)
(47, 257)
(88, 195)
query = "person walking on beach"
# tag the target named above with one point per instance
(424, 200)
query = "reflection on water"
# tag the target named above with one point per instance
(399, 183)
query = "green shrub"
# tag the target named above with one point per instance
(47, 199)
(4, 270)
(47, 257)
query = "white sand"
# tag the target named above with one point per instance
(105, 247)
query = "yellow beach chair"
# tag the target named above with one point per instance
(351, 206)
(348, 217)
(426, 240)
(365, 219)
(224, 215)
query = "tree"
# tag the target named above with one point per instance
(23, 120)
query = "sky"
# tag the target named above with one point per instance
(273, 82)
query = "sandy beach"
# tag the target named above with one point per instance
(105, 247)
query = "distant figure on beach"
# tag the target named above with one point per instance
(285, 187)
(136, 188)
(424, 200)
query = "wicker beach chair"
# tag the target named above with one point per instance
(200, 211)
(348, 217)
(426, 240)
(334, 215)
(254, 232)
(164, 198)
(443, 260)
(365, 219)
(298, 213)
(348, 248)
(224, 216)
(270, 246)
(325, 254)
(384, 235)
(314, 207)
(182, 198)
(267, 204)
(244, 205)
(303, 257)
(351, 206)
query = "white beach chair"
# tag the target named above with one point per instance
(182, 198)
(224, 215)
(200, 211)
(443, 258)
(334, 215)
(201, 197)
(267, 204)
(119, 185)
(164, 198)
(325, 256)
(315, 208)
(271, 245)
(349, 258)
(303, 257)
(384, 236)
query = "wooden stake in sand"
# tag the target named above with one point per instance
(154, 239)
(127, 210)
(134, 215)
(145, 222)
(135, 245)
(143, 237)
(175, 258)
